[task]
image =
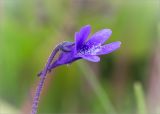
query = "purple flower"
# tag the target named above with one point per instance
(85, 49)
(80, 49)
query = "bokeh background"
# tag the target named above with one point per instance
(126, 81)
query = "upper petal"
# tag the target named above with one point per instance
(99, 37)
(81, 36)
(108, 48)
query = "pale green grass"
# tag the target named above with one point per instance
(140, 99)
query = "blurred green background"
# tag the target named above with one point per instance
(126, 81)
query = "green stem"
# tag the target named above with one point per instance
(99, 91)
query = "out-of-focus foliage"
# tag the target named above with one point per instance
(30, 29)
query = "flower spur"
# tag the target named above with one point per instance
(80, 49)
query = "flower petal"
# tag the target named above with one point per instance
(91, 58)
(81, 36)
(99, 37)
(108, 48)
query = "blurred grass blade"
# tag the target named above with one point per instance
(139, 95)
(99, 91)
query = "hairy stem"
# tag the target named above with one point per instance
(42, 75)
(37, 96)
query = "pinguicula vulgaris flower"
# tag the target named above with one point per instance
(81, 48)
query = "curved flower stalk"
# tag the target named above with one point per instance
(81, 48)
